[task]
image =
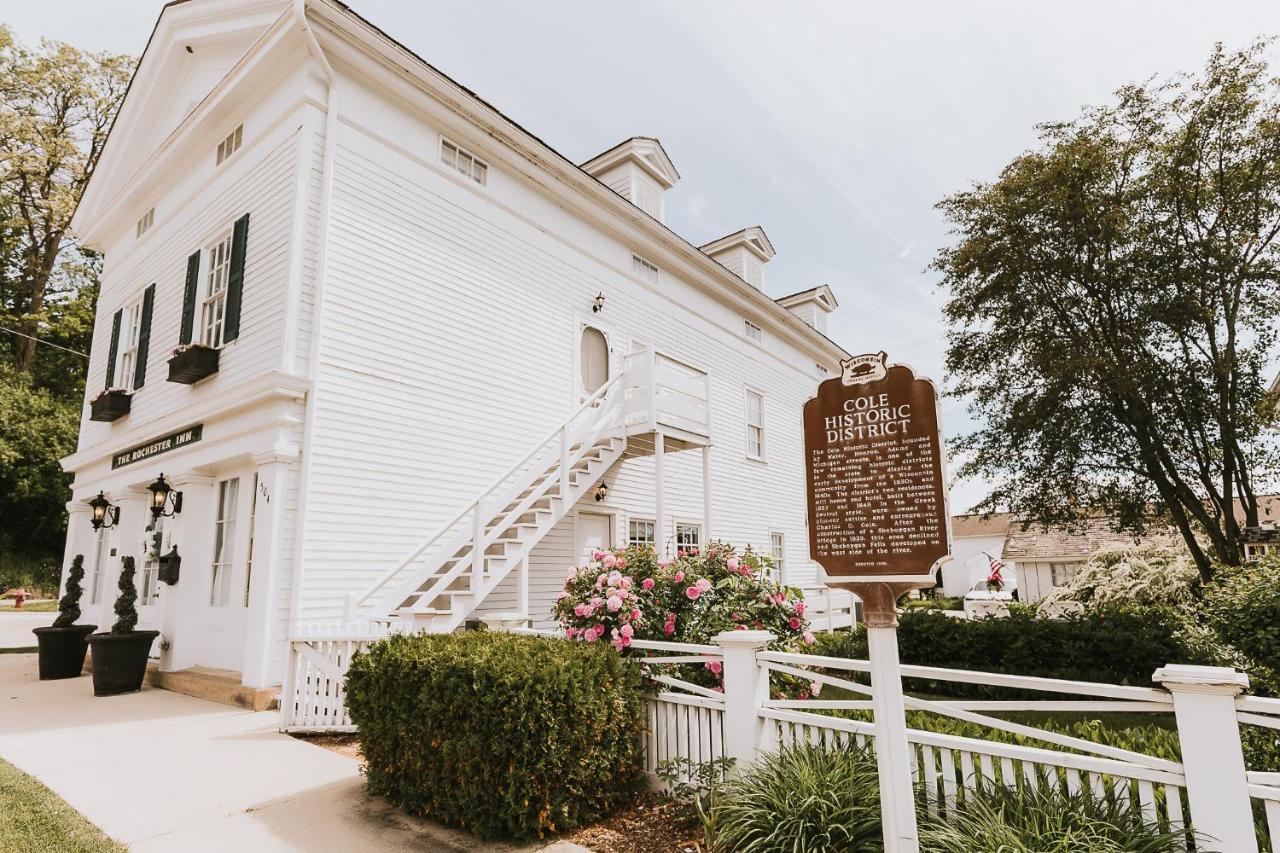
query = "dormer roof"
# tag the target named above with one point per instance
(645, 151)
(822, 294)
(752, 238)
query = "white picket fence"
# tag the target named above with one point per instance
(688, 721)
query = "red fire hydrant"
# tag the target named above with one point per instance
(19, 598)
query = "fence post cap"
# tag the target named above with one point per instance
(741, 639)
(1201, 679)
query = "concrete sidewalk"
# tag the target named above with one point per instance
(164, 772)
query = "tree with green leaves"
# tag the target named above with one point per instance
(1112, 299)
(59, 103)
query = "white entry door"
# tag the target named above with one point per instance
(222, 643)
(594, 531)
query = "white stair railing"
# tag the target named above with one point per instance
(598, 416)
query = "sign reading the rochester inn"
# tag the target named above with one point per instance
(156, 446)
(877, 497)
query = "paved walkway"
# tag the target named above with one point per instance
(164, 772)
(15, 627)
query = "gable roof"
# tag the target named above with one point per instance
(1036, 542)
(822, 294)
(996, 524)
(752, 237)
(645, 151)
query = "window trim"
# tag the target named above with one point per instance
(778, 554)
(469, 173)
(653, 531)
(229, 145)
(676, 524)
(225, 533)
(749, 392)
(207, 297)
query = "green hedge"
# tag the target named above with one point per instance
(1115, 646)
(502, 735)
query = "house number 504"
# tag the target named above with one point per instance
(264, 491)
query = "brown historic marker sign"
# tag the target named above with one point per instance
(878, 519)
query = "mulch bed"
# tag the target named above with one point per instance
(651, 825)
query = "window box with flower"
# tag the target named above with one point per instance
(192, 362)
(112, 404)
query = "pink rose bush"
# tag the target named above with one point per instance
(627, 595)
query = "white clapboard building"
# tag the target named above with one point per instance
(400, 357)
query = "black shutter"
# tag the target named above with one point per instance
(144, 338)
(235, 279)
(115, 347)
(189, 298)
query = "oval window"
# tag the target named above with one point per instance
(593, 358)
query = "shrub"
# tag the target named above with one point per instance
(69, 606)
(502, 735)
(1112, 645)
(801, 798)
(1035, 820)
(933, 604)
(1242, 604)
(125, 607)
(1158, 573)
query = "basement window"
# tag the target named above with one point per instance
(464, 162)
(644, 269)
(231, 144)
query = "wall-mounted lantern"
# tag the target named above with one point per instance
(597, 303)
(105, 514)
(164, 500)
(602, 492)
(169, 565)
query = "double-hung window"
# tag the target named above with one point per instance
(150, 592)
(778, 551)
(755, 424)
(224, 542)
(127, 361)
(640, 533)
(213, 309)
(688, 536)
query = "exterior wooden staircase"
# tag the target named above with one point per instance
(442, 582)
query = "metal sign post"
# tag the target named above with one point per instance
(878, 525)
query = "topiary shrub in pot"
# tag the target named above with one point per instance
(120, 655)
(62, 644)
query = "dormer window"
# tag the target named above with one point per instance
(231, 144)
(144, 224)
(464, 162)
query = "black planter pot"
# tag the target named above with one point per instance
(111, 406)
(193, 364)
(62, 650)
(120, 661)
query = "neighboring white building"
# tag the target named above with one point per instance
(1047, 557)
(408, 297)
(975, 540)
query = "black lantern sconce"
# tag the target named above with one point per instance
(597, 303)
(602, 492)
(170, 564)
(105, 514)
(164, 500)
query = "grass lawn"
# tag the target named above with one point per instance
(48, 606)
(34, 820)
(20, 650)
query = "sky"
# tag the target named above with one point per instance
(837, 126)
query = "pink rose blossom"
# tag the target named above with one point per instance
(679, 577)
(626, 583)
(703, 584)
(597, 554)
(809, 638)
(609, 561)
(815, 688)
(615, 578)
(732, 564)
(635, 615)
(800, 608)
(714, 665)
(647, 583)
(590, 636)
(795, 623)
(562, 595)
(693, 592)
(570, 633)
(668, 629)
(614, 604)
(627, 631)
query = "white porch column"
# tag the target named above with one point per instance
(182, 606)
(1204, 704)
(269, 520)
(746, 688)
(660, 522)
(81, 539)
(707, 537)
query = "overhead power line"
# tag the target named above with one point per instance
(46, 343)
